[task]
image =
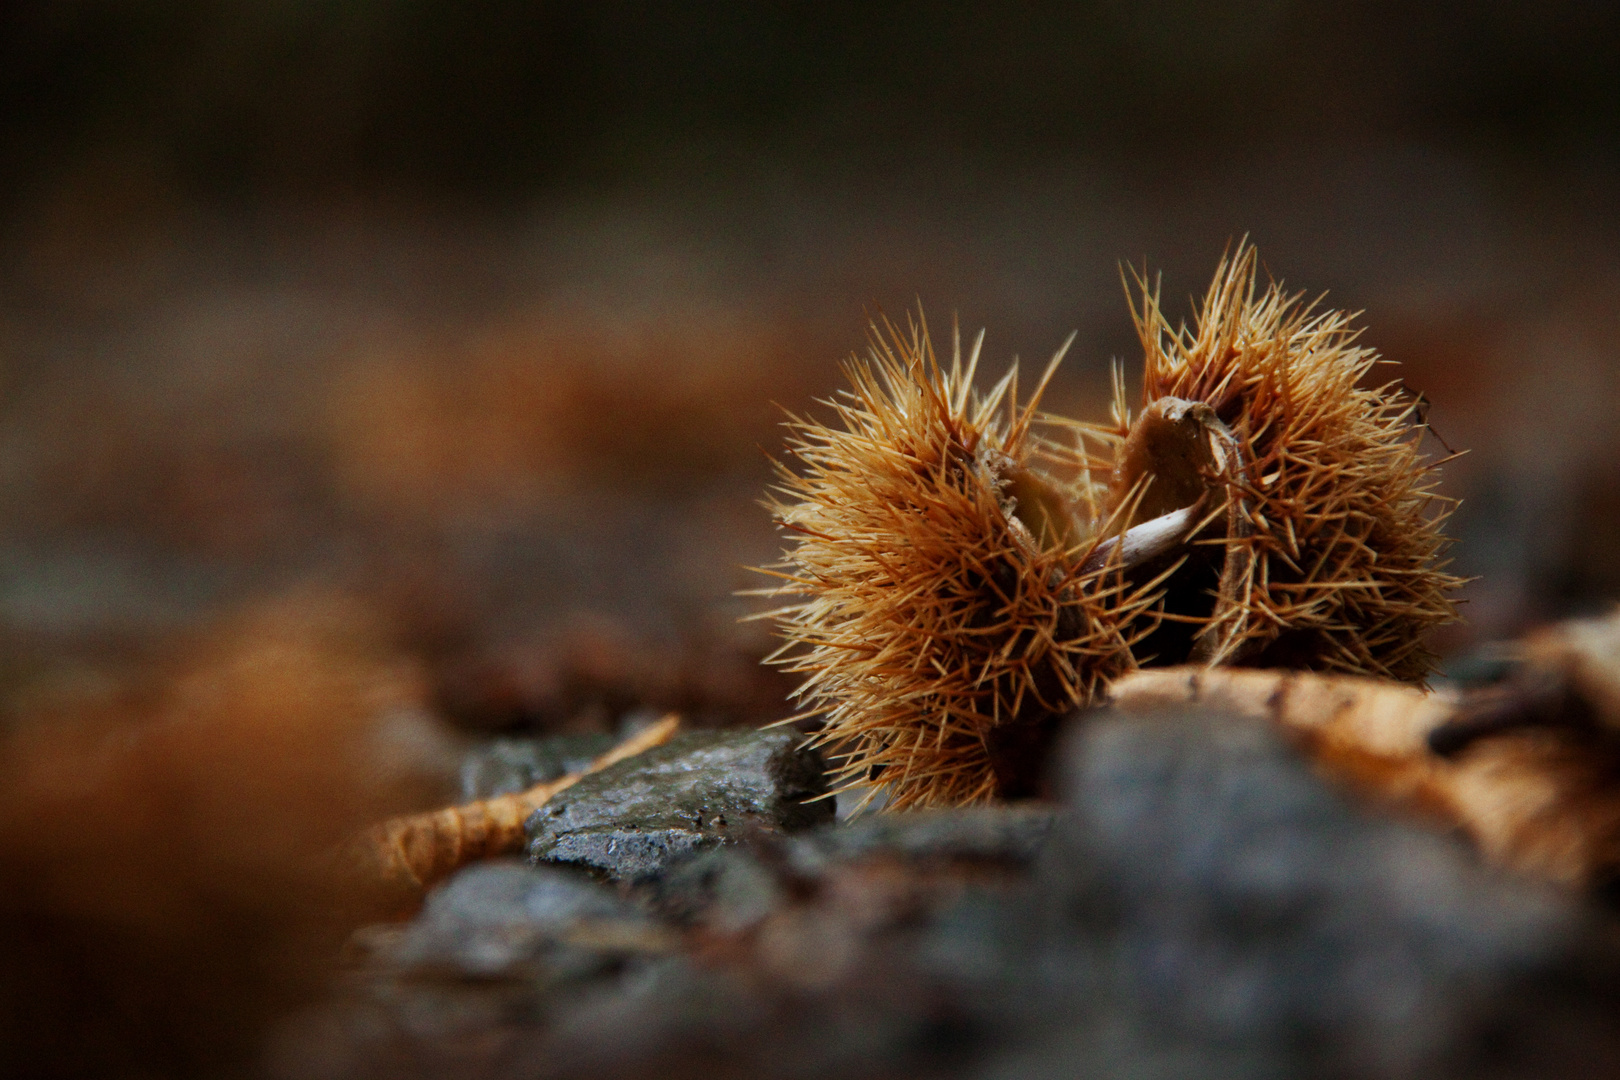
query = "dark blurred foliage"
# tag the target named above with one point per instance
(493, 97)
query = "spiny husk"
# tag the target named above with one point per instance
(1341, 566)
(931, 611)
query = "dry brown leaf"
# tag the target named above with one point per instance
(417, 850)
(1538, 795)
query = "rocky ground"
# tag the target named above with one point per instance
(1198, 900)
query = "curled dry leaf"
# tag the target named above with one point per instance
(413, 852)
(1529, 769)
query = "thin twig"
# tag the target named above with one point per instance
(418, 850)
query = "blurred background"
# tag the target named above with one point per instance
(419, 361)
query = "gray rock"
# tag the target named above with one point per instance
(727, 890)
(493, 951)
(1210, 899)
(698, 791)
(1011, 835)
(731, 889)
(502, 919)
(508, 765)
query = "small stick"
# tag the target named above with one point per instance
(418, 850)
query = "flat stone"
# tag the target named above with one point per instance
(696, 792)
(504, 918)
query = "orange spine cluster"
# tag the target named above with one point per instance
(1334, 550)
(951, 596)
(939, 618)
